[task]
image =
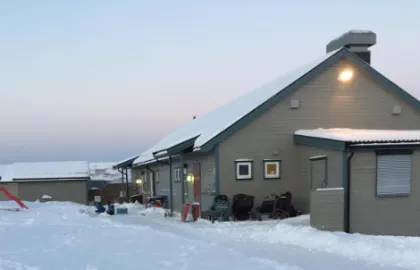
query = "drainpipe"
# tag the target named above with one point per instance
(182, 177)
(347, 192)
(171, 188)
(127, 186)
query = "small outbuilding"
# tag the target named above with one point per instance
(362, 181)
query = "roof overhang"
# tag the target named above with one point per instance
(52, 179)
(319, 142)
(384, 145)
(185, 146)
(128, 163)
(342, 145)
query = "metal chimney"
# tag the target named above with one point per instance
(357, 41)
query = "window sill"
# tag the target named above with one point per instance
(244, 179)
(272, 178)
(386, 196)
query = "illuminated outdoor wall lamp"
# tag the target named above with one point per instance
(139, 181)
(345, 75)
(190, 178)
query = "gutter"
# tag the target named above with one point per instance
(347, 192)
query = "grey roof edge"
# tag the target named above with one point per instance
(173, 150)
(303, 80)
(343, 146)
(125, 163)
(319, 142)
(54, 178)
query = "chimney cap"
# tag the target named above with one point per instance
(353, 38)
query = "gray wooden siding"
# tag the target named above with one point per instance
(319, 175)
(135, 174)
(162, 185)
(303, 165)
(324, 103)
(327, 209)
(63, 191)
(207, 179)
(12, 188)
(382, 216)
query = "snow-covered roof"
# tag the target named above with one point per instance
(124, 162)
(46, 170)
(97, 171)
(214, 122)
(103, 171)
(362, 135)
(57, 169)
(6, 173)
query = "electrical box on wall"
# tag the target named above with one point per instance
(294, 103)
(396, 110)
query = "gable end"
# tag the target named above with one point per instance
(305, 79)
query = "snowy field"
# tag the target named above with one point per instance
(63, 236)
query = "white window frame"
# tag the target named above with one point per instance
(248, 163)
(386, 183)
(271, 162)
(177, 175)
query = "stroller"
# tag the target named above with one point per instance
(219, 209)
(284, 203)
(242, 207)
(270, 207)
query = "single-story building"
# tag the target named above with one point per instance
(362, 181)
(31, 181)
(248, 145)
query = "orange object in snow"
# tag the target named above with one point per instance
(195, 210)
(11, 197)
(185, 211)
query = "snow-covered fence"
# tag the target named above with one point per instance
(327, 209)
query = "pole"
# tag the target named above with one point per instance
(127, 187)
(171, 187)
(182, 176)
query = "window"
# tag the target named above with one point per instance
(151, 176)
(243, 169)
(177, 175)
(272, 169)
(393, 174)
(157, 176)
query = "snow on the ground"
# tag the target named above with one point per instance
(57, 235)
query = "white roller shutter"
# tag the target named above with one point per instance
(393, 175)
